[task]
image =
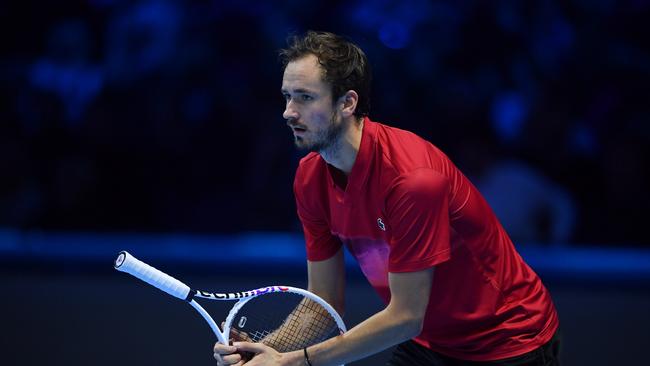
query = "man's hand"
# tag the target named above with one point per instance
(228, 355)
(263, 354)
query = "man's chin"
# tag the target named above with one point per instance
(303, 145)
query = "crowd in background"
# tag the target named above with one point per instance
(166, 116)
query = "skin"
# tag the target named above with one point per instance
(330, 128)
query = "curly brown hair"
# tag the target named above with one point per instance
(345, 66)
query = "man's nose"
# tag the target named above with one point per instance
(289, 111)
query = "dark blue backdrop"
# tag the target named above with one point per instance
(166, 115)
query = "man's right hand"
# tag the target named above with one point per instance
(227, 354)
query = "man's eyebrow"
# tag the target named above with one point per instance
(298, 91)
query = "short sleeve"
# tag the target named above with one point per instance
(417, 208)
(320, 243)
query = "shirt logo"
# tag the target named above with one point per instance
(381, 225)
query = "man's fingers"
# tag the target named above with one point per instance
(234, 359)
(225, 355)
(238, 335)
(250, 347)
(223, 349)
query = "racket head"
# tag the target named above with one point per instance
(286, 320)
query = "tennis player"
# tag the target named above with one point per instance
(456, 290)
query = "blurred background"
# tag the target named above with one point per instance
(156, 126)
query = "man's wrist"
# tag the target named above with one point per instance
(306, 355)
(295, 358)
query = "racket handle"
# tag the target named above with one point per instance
(125, 262)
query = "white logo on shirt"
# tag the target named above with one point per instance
(381, 225)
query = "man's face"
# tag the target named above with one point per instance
(309, 109)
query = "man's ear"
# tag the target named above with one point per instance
(349, 102)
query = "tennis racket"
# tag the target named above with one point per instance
(282, 317)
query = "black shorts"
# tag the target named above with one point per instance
(412, 354)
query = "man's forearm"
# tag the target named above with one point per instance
(375, 334)
(308, 323)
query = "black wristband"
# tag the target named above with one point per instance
(307, 362)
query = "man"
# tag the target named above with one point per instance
(456, 290)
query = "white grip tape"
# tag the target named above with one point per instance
(125, 262)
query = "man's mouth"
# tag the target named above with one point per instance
(298, 129)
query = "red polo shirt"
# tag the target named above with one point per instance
(405, 208)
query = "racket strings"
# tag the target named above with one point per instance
(286, 322)
(308, 324)
(256, 336)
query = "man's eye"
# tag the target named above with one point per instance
(307, 97)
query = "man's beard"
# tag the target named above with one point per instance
(324, 140)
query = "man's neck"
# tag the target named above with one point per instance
(344, 152)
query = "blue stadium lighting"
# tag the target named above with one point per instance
(394, 35)
(287, 251)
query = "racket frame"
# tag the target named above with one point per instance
(127, 263)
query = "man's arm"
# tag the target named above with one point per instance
(401, 320)
(327, 280)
